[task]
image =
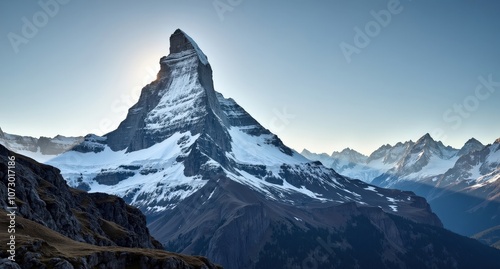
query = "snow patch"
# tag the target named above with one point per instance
(394, 208)
(155, 172)
(371, 188)
(248, 149)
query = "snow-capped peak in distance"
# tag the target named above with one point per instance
(469, 146)
(427, 143)
(42, 148)
(467, 178)
(350, 155)
(409, 160)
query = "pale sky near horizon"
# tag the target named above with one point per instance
(322, 75)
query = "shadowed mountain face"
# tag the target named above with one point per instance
(490, 236)
(242, 229)
(61, 227)
(213, 181)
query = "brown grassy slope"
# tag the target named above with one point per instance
(56, 245)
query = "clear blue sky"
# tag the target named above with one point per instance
(82, 63)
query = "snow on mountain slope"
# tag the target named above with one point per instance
(423, 160)
(184, 92)
(213, 181)
(362, 167)
(248, 149)
(131, 174)
(462, 186)
(474, 167)
(182, 134)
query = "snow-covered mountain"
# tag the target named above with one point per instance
(213, 181)
(42, 149)
(181, 133)
(468, 194)
(425, 159)
(353, 164)
(388, 165)
(465, 178)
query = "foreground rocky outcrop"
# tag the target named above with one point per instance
(60, 227)
(43, 196)
(40, 247)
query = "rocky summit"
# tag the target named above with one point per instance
(212, 181)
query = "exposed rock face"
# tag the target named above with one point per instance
(362, 235)
(184, 81)
(470, 146)
(270, 234)
(48, 210)
(98, 219)
(213, 181)
(40, 247)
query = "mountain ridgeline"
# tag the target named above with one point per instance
(212, 181)
(461, 185)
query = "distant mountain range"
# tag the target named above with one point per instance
(42, 149)
(212, 181)
(461, 185)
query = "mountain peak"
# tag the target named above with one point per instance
(304, 151)
(473, 142)
(497, 141)
(426, 136)
(180, 42)
(181, 99)
(470, 146)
